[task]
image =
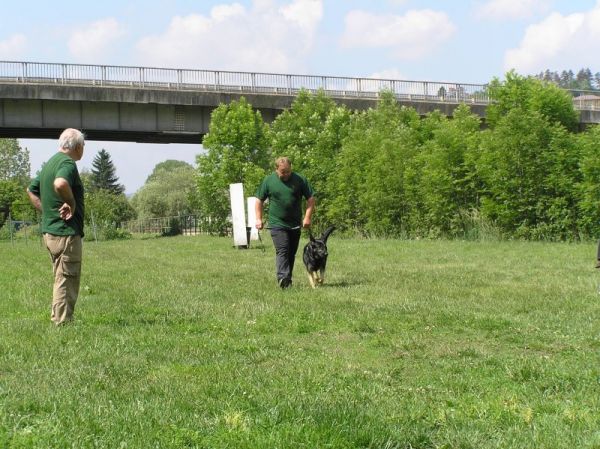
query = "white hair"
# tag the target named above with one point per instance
(71, 139)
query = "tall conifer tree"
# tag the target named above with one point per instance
(104, 175)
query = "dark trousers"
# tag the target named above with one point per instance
(286, 245)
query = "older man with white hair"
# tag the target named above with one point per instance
(57, 192)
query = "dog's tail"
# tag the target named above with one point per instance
(325, 235)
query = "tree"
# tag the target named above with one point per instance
(14, 162)
(104, 174)
(529, 169)
(107, 209)
(167, 166)
(589, 188)
(237, 152)
(310, 133)
(531, 95)
(440, 179)
(368, 184)
(14, 177)
(584, 80)
(169, 191)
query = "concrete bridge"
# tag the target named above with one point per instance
(144, 104)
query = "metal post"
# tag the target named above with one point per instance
(94, 227)
(10, 229)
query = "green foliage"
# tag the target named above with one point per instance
(589, 188)
(10, 191)
(443, 191)
(14, 177)
(367, 186)
(168, 166)
(584, 80)
(105, 207)
(169, 191)
(14, 162)
(104, 175)
(531, 95)
(388, 172)
(237, 152)
(529, 169)
(110, 231)
(20, 232)
(310, 133)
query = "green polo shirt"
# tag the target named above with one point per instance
(59, 166)
(285, 199)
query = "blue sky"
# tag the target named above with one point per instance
(469, 41)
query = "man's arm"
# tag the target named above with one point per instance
(35, 200)
(310, 208)
(63, 188)
(258, 209)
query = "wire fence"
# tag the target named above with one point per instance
(180, 224)
(20, 230)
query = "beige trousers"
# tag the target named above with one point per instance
(65, 252)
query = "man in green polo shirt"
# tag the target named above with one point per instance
(285, 190)
(57, 192)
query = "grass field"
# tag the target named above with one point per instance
(186, 342)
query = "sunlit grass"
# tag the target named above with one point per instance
(187, 342)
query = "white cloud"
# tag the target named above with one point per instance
(410, 36)
(558, 43)
(269, 36)
(13, 47)
(93, 42)
(388, 74)
(511, 9)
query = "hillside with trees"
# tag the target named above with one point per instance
(567, 79)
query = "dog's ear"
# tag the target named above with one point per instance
(310, 236)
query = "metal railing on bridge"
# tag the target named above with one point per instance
(253, 82)
(235, 82)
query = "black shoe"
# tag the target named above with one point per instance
(285, 282)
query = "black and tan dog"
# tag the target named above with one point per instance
(315, 257)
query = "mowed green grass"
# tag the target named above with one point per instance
(187, 342)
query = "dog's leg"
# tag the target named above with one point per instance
(321, 276)
(311, 278)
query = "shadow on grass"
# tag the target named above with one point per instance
(342, 284)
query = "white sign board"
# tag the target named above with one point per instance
(251, 203)
(238, 215)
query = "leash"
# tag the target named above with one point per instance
(262, 245)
